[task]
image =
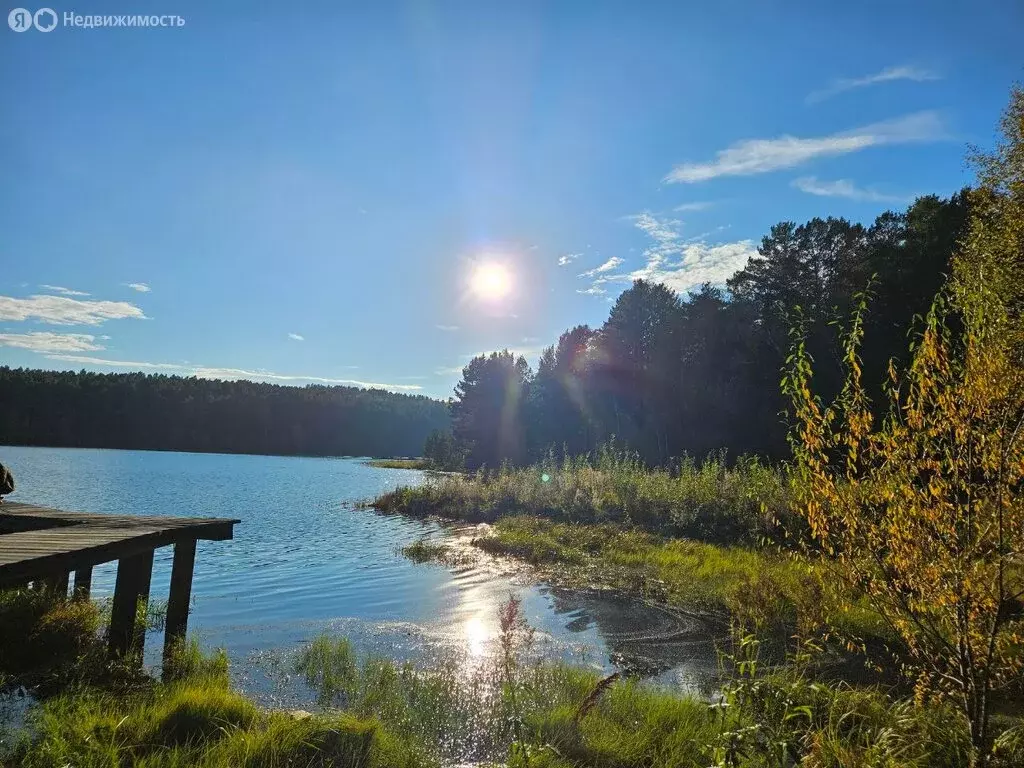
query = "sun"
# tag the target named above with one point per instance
(490, 281)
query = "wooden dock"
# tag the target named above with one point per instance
(43, 547)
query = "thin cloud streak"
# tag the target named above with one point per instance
(526, 352)
(452, 371)
(568, 259)
(843, 188)
(230, 374)
(63, 310)
(296, 337)
(47, 341)
(753, 156)
(62, 290)
(887, 75)
(608, 266)
(140, 287)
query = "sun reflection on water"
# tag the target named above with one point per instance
(477, 635)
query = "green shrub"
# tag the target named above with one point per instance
(45, 640)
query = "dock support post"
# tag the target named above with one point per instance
(83, 582)
(133, 577)
(176, 625)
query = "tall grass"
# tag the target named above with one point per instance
(710, 501)
(500, 710)
(201, 722)
(512, 710)
(562, 716)
(403, 717)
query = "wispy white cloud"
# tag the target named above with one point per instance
(238, 373)
(89, 360)
(843, 188)
(140, 287)
(454, 370)
(205, 372)
(63, 310)
(697, 205)
(447, 327)
(612, 263)
(665, 232)
(698, 263)
(47, 341)
(753, 156)
(568, 258)
(678, 262)
(685, 263)
(887, 75)
(62, 290)
(529, 352)
(296, 337)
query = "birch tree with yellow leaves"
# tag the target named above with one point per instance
(917, 506)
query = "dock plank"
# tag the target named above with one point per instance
(46, 540)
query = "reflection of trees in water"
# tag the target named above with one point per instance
(641, 638)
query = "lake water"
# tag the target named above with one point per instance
(304, 561)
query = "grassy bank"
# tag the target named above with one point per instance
(764, 590)
(702, 537)
(509, 709)
(711, 501)
(199, 721)
(399, 463)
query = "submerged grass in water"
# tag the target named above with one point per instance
(426, 551)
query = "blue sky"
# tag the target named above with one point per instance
(301, 192)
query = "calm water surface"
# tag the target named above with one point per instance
(303, 561)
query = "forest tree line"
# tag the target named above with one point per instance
(664, 375)
(667, 375)
(158, 412)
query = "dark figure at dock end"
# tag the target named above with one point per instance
(6, 482)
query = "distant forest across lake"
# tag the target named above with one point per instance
(158, 412)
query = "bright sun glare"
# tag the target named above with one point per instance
(476, 636)
(490, 281)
